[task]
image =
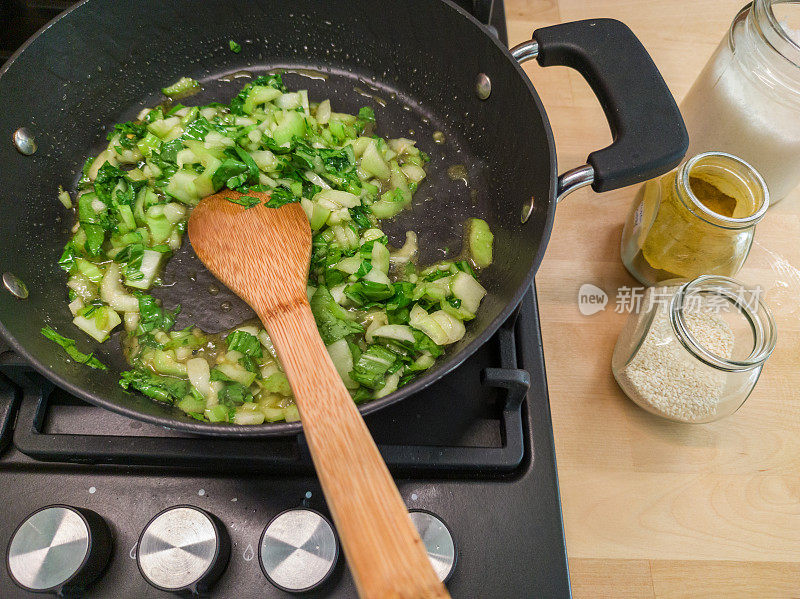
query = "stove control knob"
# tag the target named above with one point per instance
(59, 549)
(183, 550)
(298, 550)
(438, 542)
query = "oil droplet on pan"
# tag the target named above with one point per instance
(458, 172)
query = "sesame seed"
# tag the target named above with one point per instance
(663, 377)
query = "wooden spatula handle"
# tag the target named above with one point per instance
(384, 551)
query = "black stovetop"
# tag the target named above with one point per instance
(476, 449)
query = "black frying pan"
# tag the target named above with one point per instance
(416, 63)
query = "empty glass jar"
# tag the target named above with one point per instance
(695, 351)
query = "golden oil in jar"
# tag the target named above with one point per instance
(698, 219)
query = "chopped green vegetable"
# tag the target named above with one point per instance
(63, 197)
(244, 342)
(384, 319)
(129, 133)
(218, 375)
(73, 352)
(244, 200)
(366, 113)
(278, 383)
(153, 316)
(234, 393)
(480, 238)
(161, 388)
(372, 366)
(235, 48)
(332, 320)
(279, 197)
(185, 86)
(67, 260)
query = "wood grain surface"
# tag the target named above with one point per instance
(652, 508)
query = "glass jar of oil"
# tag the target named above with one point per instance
(698, 219)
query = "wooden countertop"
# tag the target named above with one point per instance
(652, 508)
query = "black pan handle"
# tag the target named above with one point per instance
(648, 131)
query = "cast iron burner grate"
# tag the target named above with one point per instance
(51, 426)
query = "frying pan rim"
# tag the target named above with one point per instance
(292, 428)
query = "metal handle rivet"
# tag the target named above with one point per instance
(24, 142)
(483, 86)
(15, 286)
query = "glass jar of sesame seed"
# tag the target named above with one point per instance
(693, 352)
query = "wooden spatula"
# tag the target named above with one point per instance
(262, 254)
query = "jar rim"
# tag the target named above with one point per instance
(759, 316)
(759, 17)
(778, 28)
(709, 215)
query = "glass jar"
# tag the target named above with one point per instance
(746, 101)
(698, 219)
(694, 352)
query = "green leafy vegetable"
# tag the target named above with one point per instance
(273, 146)
(360, 216)
(235, 393)
(108, 176)
(244, 200)
(245, 343)
(129, 133)
(332, 320)
(372, 366)
(197, 130)
(279, 197)
(154, 115)
(161, 388)
(218, 375)
(249, 364)
(73, 352)
(367, 292)
(235, 48)
(131, 256)
(67, 260)
(423, 343)
(278, 383)
(184, 86)
(366, 113)
(231, 173)
(274, 81)
(94, 224)
(153, 316)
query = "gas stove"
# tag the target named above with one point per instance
(98, 505)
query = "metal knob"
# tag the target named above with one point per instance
(59, 549)
(438, 542)
(298, 550)
(183, 549)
